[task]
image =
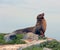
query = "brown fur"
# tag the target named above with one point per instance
(40, 26)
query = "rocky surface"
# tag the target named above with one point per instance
(47, 49)
(31, 36)
(20, 46)
(9, 37)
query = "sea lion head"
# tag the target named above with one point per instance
(40, 17)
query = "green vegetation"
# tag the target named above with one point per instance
(34, 47)
(17, 40)
(1, 39)
(54, 45)
(42, 38)
(14, 41)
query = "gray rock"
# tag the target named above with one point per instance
(31, 36)
(47, 49)
(20, 48)
(9, 37)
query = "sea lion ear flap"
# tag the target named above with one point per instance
(42, 14)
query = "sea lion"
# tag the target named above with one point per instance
(39, 28)
(40, 25)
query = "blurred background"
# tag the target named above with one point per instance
(17, 14)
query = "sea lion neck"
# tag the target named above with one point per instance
(39, 21)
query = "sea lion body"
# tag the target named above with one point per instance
(25, 30)
(39, 28)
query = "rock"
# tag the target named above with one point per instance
(47, 49)
(31, 36)
(9, 37)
